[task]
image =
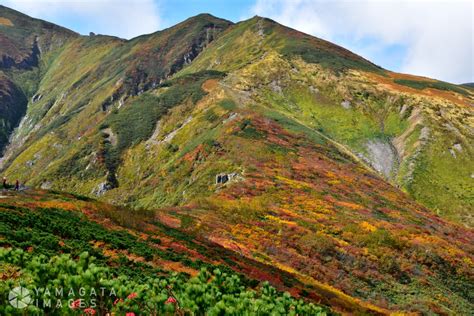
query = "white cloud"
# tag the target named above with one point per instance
(121, 18)
(437, 35)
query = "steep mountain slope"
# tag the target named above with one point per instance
(417, 133)
(26, 46)
(12, 107)
(106, 71)
(278, 146)
(24, 39)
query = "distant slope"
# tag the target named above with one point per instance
(390, 122)
(26, 44)
(24, 39)
(111, 71)
(249, 40)
(470, 84)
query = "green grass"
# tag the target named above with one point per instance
(137, 120)
(449, 189)
(50, 248)
(311, 53)
(439, 85)
(228, 104)
(352, 127)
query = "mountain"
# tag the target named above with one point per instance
(415, 132)
(282, 148)
(24, 44)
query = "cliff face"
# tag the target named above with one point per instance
(12, 108)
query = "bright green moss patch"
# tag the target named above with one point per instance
(349, 126)
(449, 190)
(228, 104)
(295, 127)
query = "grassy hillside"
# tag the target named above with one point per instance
(408, 129)
(72, 242)
(26, 45)
(415, 132)
(44, 234)
(296, 201)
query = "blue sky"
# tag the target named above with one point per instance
(429, 38)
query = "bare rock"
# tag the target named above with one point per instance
(403, 109)
(458, 147)
(36, 98)
(452, 152)
(346, 104)
(231, 117)
(382, 156)
(46, 185)
(313, 90)
(102, 188)
(275, 86)
(223, 178)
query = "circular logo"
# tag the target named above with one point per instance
(19, 297)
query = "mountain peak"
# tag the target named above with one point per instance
(267, 34)
(21, 20)
(206, 18)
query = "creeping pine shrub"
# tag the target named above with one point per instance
(211, 292)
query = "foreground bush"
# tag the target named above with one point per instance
(61, 285)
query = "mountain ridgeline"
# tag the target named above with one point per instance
(273, 144)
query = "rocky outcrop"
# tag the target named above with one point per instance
(223, 178)
(102, 188)
(26, 63)
(346, 104)
(383, 157)
(13, 103)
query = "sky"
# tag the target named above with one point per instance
(430, 38)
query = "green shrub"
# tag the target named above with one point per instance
(310, 52)
(228, 104)
(247, 130)
(136, 121)
(211, 292)
(211, 116)
(440, 85)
